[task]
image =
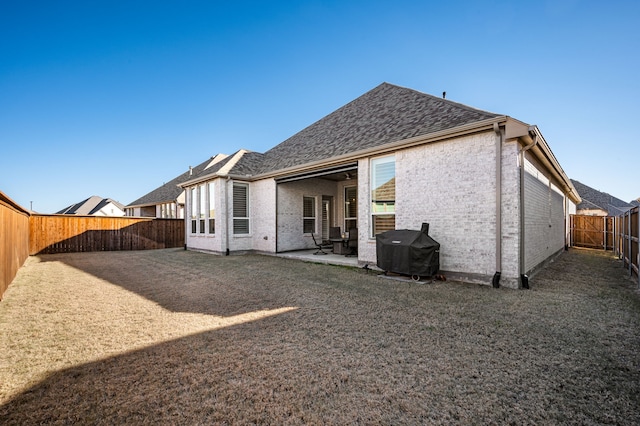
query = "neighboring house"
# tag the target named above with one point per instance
(635, 203)
(167, 201)
(95, 206)
(492, 191)
(597, 203)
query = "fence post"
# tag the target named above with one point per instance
(629, 244)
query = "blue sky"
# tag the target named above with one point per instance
(114, 98)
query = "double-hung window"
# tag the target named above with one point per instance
(383, 194)
(308, 215)
(240, 208)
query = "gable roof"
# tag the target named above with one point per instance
(89, 206)
(594, 199)
(385, 114)
(170, 191)
(384, 118)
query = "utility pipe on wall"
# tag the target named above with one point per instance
(226, 214)
(499, 140)
(524, 280)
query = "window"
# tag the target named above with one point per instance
(211, 212)
(201, 206)
(168, 211)
(240, 208)
(308, 215)
(194, 199)
(383, 194)
(350, 207)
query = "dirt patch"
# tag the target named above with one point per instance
(180, 337)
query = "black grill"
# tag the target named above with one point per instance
(408, 252)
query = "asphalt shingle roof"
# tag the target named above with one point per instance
(89, 206)
(385, 114)
(592, 198)
(170, 191)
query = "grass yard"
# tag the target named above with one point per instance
(178, 337)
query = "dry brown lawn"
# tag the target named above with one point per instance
(177, 337)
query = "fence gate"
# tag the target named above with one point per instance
(592, 231)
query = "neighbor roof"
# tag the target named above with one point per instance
(89, 206)
(594, 199)
(385, 114)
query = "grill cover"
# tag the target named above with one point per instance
(408, 252)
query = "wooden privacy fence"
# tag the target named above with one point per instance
(627, 240)
(14, 240)
(67, 234)
(592, 231)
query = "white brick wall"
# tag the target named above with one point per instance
(510, 215)
(450, 185)
(263, 215)
(544, 217)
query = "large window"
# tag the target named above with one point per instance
(194, 200)
(202, 199)
(240, 208)
(308, 215)
(350, 207)
(383, 194)
(168, 211)
(211, 212)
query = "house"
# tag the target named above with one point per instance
(597, 203)
(496, 198)
(95, 206)
(167, 201)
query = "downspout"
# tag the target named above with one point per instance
(524, 280)
(499, 140)
(226, 219)
(276, 233)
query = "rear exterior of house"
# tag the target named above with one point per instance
(494, 195)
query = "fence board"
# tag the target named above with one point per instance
(628, 239)
(14, 240)
(592, 232)
(65, 234)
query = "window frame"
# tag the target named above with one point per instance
(306, 220)
(247, 209)
(388, 205)
(347, 202)
(193, 197)
(211, 211)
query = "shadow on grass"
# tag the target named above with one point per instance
(187, 281)
(218, 376)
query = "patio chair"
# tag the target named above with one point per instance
(319, 245)
(334, 233)
(352, 243)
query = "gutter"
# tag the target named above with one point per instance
(524, 280)
(499, 141)
(478, 126)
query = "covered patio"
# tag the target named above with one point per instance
(327, 259)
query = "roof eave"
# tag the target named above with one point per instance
(543, 153)
(453, 132)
